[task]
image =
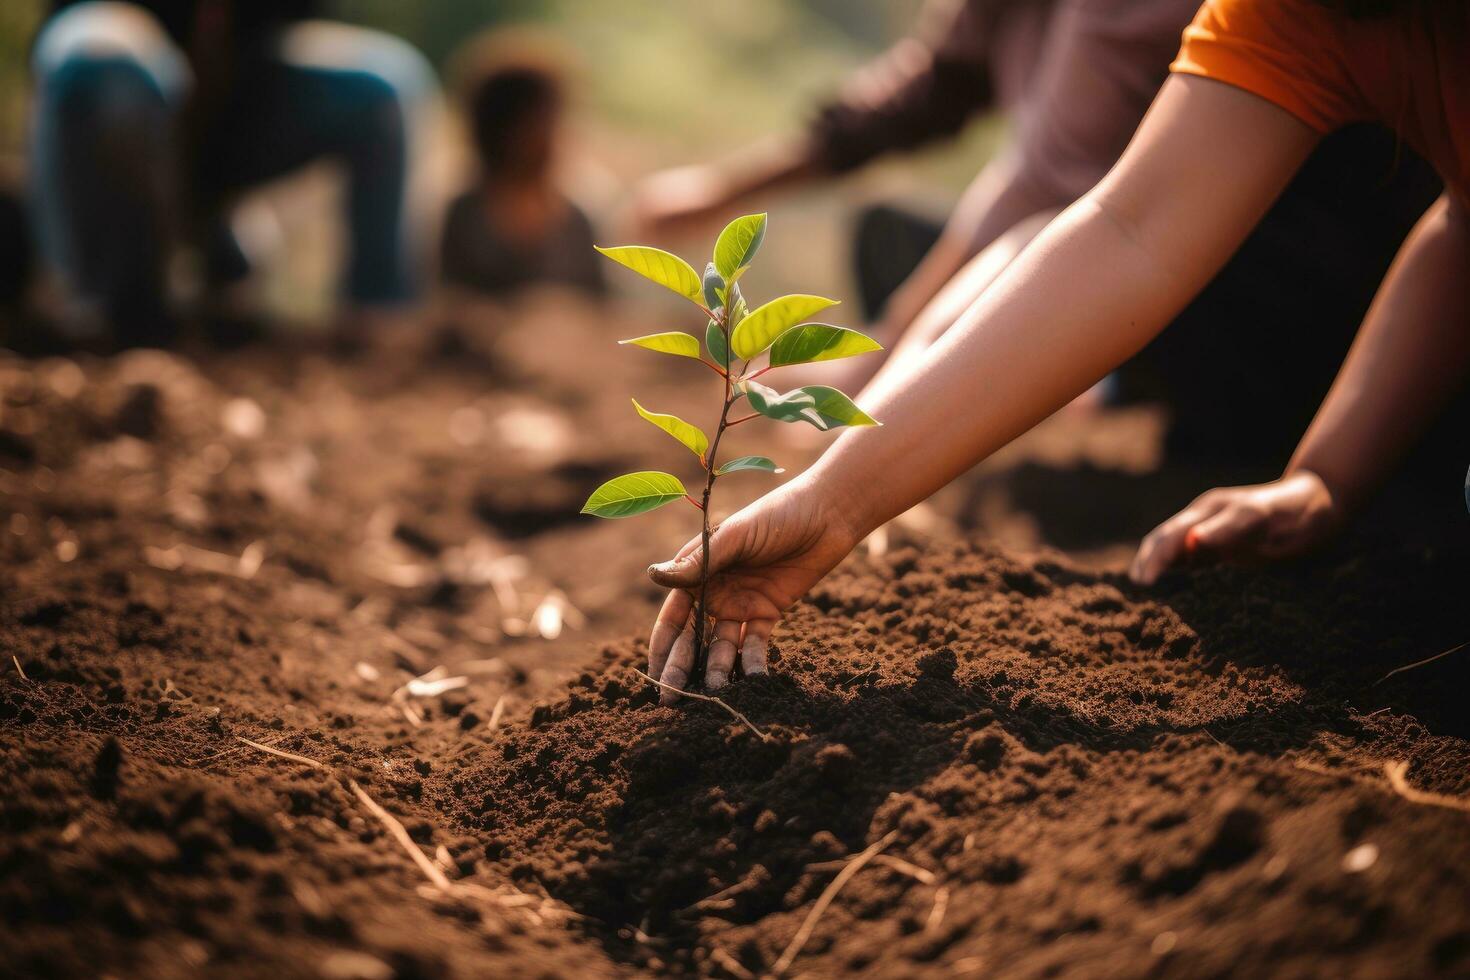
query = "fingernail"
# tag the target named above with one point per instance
(1191, 540)
(714, 680)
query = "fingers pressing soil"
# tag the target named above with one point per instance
(1094, 782)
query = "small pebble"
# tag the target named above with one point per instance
(1360, 858)
(352, 965)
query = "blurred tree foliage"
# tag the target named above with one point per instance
(18, 20)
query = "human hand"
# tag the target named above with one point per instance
(763, 559)
(1270, 520)
(678, 202)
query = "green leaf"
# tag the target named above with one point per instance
(633, 493)
(714, 339)
(738, 243)
(738, 309)
(662, 267)
(794, 406)
(749, 463)
(823, 407)
(819, 342)
(688, 434)
(765, 323)
(837, 409)
(714, 288)
(673, 342)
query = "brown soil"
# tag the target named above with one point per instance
(1080, 777)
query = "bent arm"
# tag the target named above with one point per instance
(1090, 291)
(1407, 361)
(908, 345)
(923, 88)
(997, 202)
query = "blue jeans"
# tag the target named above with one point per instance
(114, 181)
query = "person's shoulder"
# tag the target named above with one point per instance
(1297, 54)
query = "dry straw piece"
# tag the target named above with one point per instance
(1397, 773)
(1422, 663)
(825, 899)
(284, 755)
(396, 829)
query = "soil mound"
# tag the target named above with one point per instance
(1077, 780)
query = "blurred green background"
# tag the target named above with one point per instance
(658, 83)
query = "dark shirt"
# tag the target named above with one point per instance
(248, 19)
(478, 256)
(1074, 76)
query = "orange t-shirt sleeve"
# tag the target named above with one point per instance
(1292, 53)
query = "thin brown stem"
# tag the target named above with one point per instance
(693, 502)
(744, 418)
(701, 609)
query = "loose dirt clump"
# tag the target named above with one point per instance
(1077, 778)
(215, 566)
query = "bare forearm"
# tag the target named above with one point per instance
(775, 164)
(1092, 289)
(1409, 358)
(997, 200)
(1080, 301)
(948, 306)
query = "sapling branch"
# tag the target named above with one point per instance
(733, 334)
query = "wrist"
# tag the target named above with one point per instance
(846, 514)
(1335, 493)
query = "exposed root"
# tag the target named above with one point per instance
(794, 948)
(713, 700)
(1397, 772)
(18, 668)
(284, 755)
(1422, 663)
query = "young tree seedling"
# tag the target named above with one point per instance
(774, 335)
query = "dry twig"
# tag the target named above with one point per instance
(18, 668)
(793, 949)
(1397, 771)
(713, 700)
